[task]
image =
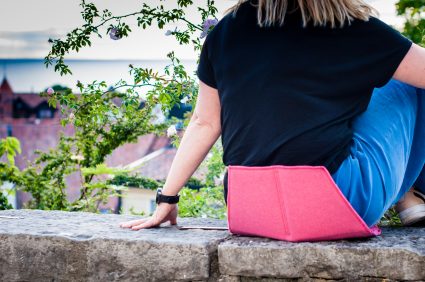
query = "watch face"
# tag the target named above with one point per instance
(158, 191)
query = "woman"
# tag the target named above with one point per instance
(300, 82)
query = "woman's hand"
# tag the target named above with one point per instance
(164, 212)
(200, 135)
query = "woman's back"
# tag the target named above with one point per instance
(288, 94)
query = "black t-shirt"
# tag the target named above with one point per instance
(288, 94)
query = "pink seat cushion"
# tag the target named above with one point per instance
(291, 203)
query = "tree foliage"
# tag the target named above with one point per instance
(9, 148)
(105, 118)
(414, 13)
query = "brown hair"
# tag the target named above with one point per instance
(320, 12)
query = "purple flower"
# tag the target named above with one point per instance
(115, 34)
(170, 32)
(203, 34)
(50, 91)
(207, 26)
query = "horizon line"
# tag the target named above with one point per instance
(86, 59)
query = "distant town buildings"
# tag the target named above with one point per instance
(28, 117)
(22, 105)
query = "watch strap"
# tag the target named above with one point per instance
(165, 198)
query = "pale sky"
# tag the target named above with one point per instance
(26, 25)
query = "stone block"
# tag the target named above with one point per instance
(81, 246)
(397, 254)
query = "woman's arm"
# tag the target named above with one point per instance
(202, 132)
(412, 68)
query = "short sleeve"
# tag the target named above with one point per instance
(205, 70)
(389, 47)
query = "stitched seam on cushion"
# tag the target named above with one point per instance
(229, 178)
(342, 236)
(346, 203)
(282, 212)
(271, 167)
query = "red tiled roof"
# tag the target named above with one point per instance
(33, 100)
(159, 167)
(131, 152)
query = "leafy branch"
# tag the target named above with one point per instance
(413, 11)
(80, 37)
(102, 118)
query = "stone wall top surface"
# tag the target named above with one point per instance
(86, 226)
(80, 246)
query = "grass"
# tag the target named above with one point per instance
(390, 218)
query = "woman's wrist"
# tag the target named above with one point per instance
(165, 193)
(169, 192)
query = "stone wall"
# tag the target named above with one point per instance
(78, 246)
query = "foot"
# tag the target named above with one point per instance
(411, 208)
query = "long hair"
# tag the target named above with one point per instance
(320, 12)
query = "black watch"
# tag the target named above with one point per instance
(163, 198)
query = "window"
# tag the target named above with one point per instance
(43, 110)
(21, 109)
(44, 113)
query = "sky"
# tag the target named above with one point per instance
(26, 25)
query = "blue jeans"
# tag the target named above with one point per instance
(387, 153)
